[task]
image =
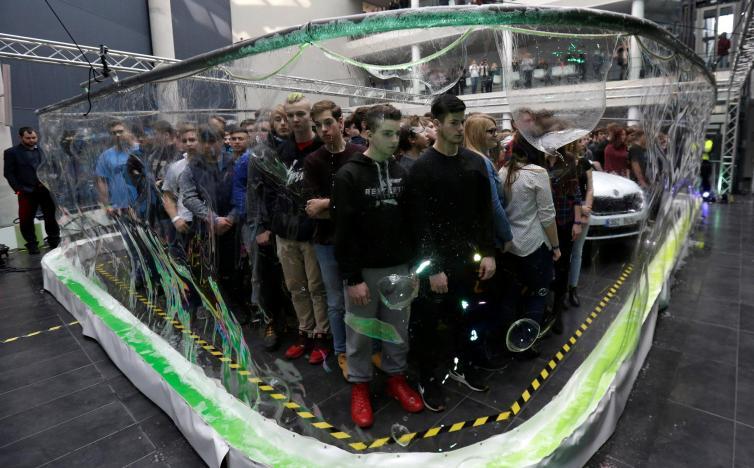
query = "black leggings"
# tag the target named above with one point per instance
(447, 326)
(563, 265)
(531, 278)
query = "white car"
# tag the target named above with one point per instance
(619, 208)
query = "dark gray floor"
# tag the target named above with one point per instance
(62, 401)
(323, 392)
(693, 403)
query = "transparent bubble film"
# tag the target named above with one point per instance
(236, 250)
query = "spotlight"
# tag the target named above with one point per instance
(705, 195)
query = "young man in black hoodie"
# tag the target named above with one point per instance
(284, 216)
(368, 208)
(449, 202)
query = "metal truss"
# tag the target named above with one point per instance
(742, 65)
(44, 51)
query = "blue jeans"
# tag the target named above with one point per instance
(578, 247)
(336, 305)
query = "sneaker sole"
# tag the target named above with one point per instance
(437, 409)
(463, 381)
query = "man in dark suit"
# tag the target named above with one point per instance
(21, 163)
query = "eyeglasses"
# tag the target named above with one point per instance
(491, 131)
(117, 132)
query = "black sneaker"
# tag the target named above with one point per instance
(270, 340)
(573, 297)
(557, 326)
(469, 376)
(432, 395)
(547, 322)
(529, 354)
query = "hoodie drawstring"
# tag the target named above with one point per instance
(387, 178)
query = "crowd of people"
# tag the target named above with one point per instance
(302, 211)
(484, 76)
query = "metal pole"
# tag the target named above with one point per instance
(415, 56)
(634, 73)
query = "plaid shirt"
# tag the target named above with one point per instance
(566, 194)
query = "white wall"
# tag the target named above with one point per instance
(8, 202)
(253, 18)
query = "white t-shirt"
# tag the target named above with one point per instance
(529, 207)
(474, 71)
(170, 184)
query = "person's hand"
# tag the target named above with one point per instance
(181, 225)
(556, 254)
(358, 294)
(439, 283)
(586, 210)
(263, 238)
(575, 231)
(223, 225)
(487, 268)
(507, 246)
(316, 206)
(110, 211)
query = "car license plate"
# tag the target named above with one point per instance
(614, 222)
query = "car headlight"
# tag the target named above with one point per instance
(635, 201)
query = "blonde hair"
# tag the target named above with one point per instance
(475, 132)
(293, 98)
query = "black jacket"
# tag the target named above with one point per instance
(284, 195)
(450, 206)
(20, 170)
(371, 228)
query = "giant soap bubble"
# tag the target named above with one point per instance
(555, 81)
(235, 319)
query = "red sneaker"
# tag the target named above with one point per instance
(320, 351)
(297, 349)
(398, 388)
(317, 355)
(361, 407)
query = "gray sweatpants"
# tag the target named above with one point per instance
(359, 346)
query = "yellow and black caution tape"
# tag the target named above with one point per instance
(408, 438)
(525, 396)
(37, 332)
(268, 390)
